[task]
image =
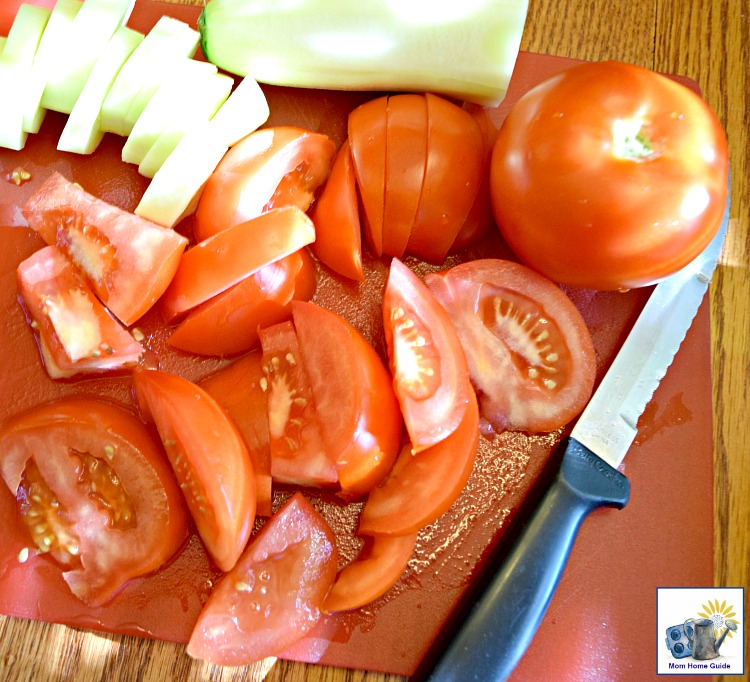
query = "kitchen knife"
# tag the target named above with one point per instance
(504, 620)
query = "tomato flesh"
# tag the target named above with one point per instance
(126, 260)
(270, 168)
(430, 374)
(95, 491)
(272, 597)
(209, 458)
(76, 334)
(530, 354)
(609, 176)
(228, 323)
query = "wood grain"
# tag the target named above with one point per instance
(707, 40)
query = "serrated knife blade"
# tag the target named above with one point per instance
(502, 622)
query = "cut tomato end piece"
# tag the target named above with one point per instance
(367, 137)
(422, 486)
(430, 374)
(237, 388)
(228, 323)
(219, 262)
(272, 597)
(335, 213)
(209, 458)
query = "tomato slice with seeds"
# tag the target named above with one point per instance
(298, 454)
(430, 374)
(367, 138)
(221, 261)
(272, 597)
(453, 170)
(530, 354)
(228, 323)
(335, 213)
(359, 414)
(95, 491)
(270, 168)
(127, 261)
(208, 456)
(378, 567)
(406, 156)
(422, 486)
(75, 333)
(237, 388)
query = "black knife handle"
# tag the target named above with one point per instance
(502, 623)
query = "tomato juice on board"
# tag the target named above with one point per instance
(450, 552)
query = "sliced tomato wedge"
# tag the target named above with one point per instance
(406, 157)
(298, 454)
(209, 458)
(126, 260)
(378, 566)
(95, 492)
(338, 241)
(270, 168)
(272, 597)
(453, 171)
(237, 388)
(352, 389)
(422, 486)
(530, 354)
(367, 138)
(430, 374)
(75, 333)
(221, 261)
(227, 324)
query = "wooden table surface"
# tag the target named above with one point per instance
(707, 40)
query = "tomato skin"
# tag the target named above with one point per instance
(422, 486)
(579, 204)
(227, 324)
(358, 411)
(530, 354)
(208, 456)
(430, 374)
(381, 562)
(221, 261)
(270, 168)
(75, 333)
(272, 597)
(335, 213)
(126, 260)
(73, 442)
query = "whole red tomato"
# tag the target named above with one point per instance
(609, 176)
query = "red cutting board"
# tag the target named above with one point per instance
(601, 624)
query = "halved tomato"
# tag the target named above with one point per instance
(270, 168)
(452, 175)
(530, 354)
(422, 486)
(228, 257)
(227, 324)
(378, 566)
(359, 414)
(272, 597)
(367, 138)
(209, 458)
(430, 374)
(406, 156)
(237, 388)
(95, 491)
(75, 333)
(127, 260)
(298, 454)
(335, 213)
